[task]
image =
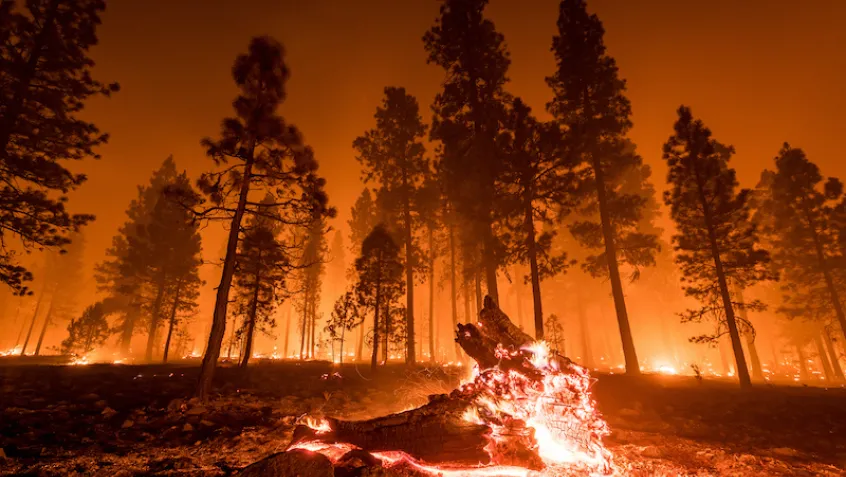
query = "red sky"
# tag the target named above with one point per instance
(758, 73)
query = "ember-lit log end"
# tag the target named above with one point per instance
(525, 409)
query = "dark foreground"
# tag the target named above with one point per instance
(115, 420)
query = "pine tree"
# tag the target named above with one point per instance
(430, 204)
(380, 284)
(468, 115)
(803, 229)
(539, 183)
(257, 150)
(590, 104)
(392, 156)
(260, 272)
(309, 277)
(87, 332)
(45, 80)
(715, 244)
(346, 315)
(125, 288)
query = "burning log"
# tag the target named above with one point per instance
(524, 409)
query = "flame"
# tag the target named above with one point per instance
(79, 360)
(11, 351)
(552, 398)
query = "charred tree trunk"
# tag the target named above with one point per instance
(172, 320)
(44, 327)
(757, 370)
(832, 353)
(251, 322)
(437, 432)
(826, 365)
(287, 331)
(154, 318)
(410, 357)
(222, 299)
(531, 250)
(431, 295)
(128, 328)
(374, 358)
(32, 323)
(452, 285)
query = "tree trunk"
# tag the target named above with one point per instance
(374, 358)
(251, 316)
(304, 323)
(359, 352)
(804, 375)
(171, 321)
(127, 329)
(341, 347)
(835, 359)
(490, 263)
(453, 287)
(431, 294)
(734, 334)
(531, 249)
(387, 334)
(154, 319)
(723, 358)
(587, 349)
(410, 357)
(313, 321)
(478, 293)
(757, 370)
(32, 323)
(222, 299)
(518, 297)
(826, 365)
(44, 328)
(287, 331)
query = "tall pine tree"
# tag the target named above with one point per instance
(45, 80)
(257, 150)
(392, 156)
(590, 104)
(467, 118)
(716, 244)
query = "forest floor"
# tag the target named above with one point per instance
(121, 420)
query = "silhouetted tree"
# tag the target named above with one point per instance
(364, 216)
(164, 251)
(45, 80)
(802, 223)
(260, 272)
(257, 150)
(430, 204)
(590, 104)
(88, 331)
(715, 243)
(380, 282)
(309, 278)
(468, 115)
(556, 333)
(345, 316)
(538, 181)
(125, 289)
(183, 304)
(392, 155)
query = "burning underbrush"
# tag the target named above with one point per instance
(524, 411)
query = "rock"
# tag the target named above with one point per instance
(90, 397)
(101, 403)
(127, 424)
(196, 411)
(194, 402)
(206, 423)
(187, 427)
(175, 405)
(108, 412)
(295, 463)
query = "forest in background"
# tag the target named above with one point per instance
(555, 219)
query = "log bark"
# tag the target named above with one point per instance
(437, 432)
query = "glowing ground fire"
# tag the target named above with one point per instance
(566, 428)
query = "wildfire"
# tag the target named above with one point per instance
(79, 360)
(558, 408)
(11, 351)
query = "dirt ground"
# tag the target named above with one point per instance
(120, 420)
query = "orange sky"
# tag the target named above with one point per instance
(757, 72)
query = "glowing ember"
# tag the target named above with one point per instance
(550, 396)
(79, 360)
